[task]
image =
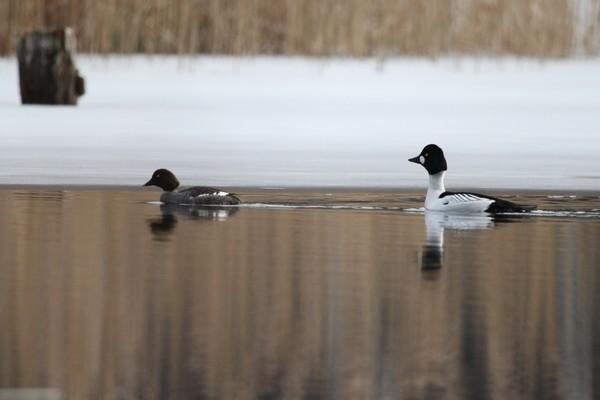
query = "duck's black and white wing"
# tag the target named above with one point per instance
(462, 197)
(203, 191)
(488, 204)
(209, 195)
(463, 202)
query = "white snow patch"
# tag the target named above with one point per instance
(558, 196)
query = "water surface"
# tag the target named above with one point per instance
(107, 295)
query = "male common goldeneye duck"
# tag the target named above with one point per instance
(438, 199)
(197, 195)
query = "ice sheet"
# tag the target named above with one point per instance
(504, 123)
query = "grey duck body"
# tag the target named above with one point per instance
(200, 195)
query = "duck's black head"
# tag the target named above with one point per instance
(164, 179)
(432, 158)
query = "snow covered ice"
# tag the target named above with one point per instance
(266, 121)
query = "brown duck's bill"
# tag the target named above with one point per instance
(415, 160)
(149, 183)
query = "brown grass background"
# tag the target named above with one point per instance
(541, 28)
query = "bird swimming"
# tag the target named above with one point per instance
(438, 199)
(196, 195)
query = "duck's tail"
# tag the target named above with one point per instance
(500, 206)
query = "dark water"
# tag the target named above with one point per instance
(104, 296)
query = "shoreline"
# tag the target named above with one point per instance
(303, 189)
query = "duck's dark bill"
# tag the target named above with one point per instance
(415, 160)
(149, 183)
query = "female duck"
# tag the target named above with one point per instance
(197, 195)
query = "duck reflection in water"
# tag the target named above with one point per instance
(162, 227)
(432, 254)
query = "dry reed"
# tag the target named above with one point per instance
(539, 28)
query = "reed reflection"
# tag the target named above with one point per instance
(292, 303)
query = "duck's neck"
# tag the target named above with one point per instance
(171, 186)
(436, 186)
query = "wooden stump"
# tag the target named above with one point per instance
(47, 72)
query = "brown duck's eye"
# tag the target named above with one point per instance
(158, 175)
(426, 154)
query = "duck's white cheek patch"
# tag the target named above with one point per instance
(422, 160)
